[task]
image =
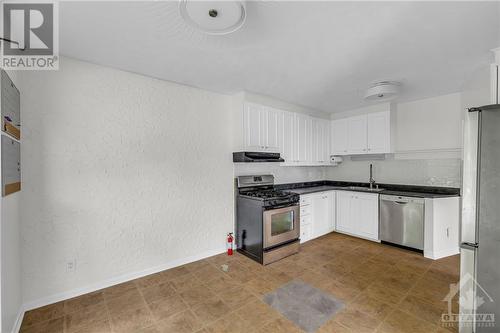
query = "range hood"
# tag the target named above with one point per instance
(247, 156)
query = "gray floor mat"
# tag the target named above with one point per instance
(306, 306)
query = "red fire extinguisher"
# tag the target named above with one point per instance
(230, 240)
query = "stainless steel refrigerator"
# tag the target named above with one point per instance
(480, 231)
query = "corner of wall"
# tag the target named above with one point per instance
(287, 106)
(11, 290)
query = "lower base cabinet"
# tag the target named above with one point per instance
(323, 213)
(317, 215)
(357, 214)
(441, 227)
(305, 232)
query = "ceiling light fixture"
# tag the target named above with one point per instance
(214, 17)
(383, 91)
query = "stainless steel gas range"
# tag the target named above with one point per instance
(268, 222)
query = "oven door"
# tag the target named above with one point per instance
(281, 225)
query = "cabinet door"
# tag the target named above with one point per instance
(322, 213)
(309, 138)
(288, 145)
(357, 134)
(320, 133)
(326, 142)
(379, 132)
(273, 129)
(303, 123)
(317, 141)
(305, 232)
(252, 123)
(365, 214)
(343, 211)
(339, 137)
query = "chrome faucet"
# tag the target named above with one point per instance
(371, 181)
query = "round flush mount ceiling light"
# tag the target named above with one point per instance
(213, 17)
(383, 91)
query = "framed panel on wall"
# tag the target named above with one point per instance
(11, 165)
(10, 102)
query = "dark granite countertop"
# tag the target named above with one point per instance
(388, 189)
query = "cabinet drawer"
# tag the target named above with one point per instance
(305, 220)
(305, 210)
(305, 233)
(305, 200)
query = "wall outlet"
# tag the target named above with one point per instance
(71, 266)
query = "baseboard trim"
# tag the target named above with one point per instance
(19, 320)
(116, 280)
(441, 254)
(340, 231)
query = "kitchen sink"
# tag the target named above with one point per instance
(367, 189)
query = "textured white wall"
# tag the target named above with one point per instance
(120, 172)
(10, 255)
(11, 292)
(428, 124)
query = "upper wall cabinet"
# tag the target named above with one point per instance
(357, 134)
(320, 141)
(299, 138)
(379, 133)
(272, 117)
(304, 138)
(339, 136)
(365, 134)
(261, 127)
(288, 136)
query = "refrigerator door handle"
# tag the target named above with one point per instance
(469, 246)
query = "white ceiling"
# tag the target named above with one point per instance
(320, 55)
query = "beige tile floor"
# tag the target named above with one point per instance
(385, 289)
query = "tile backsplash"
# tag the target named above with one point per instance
(282, 174)
(430, 172)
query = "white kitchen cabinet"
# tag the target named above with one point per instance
(287, 146)
(366, 208)
(316, 134)
(379, 132)
(357, 135)
(339, 137)
(260, 127)
(305, 218)
(323, 208)
(305, 232)
(304, 138)
(357, 214)
(343, 211)
(317, 214)
(273, 129)
(320, 141)
(252, 123)
(441, 227)
(299, 138)
(324, 150)
(365, 134)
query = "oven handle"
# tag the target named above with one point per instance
(282, 206)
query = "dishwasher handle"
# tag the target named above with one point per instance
(401, 200)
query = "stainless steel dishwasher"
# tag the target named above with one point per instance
(402, 220)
